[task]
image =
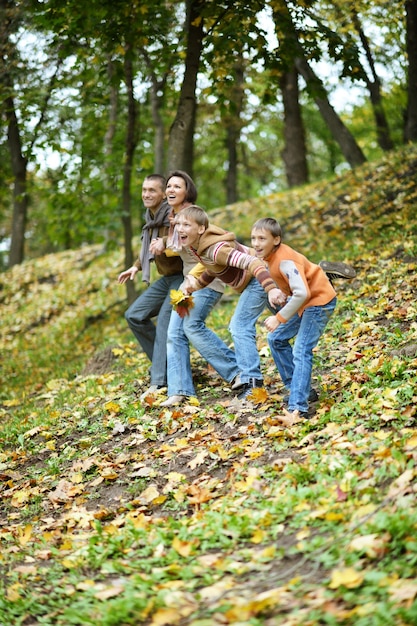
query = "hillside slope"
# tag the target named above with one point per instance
(115, 512)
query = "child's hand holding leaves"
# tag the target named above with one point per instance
(181, 302)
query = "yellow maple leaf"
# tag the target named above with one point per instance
(112, 407)
(166, 617)
(198, 460)
(258, 536)
(346, 577)
(12, 402)
(25, 534)
(12, 592)
(147, 496)
(258, 395)
(20, 497)
(182, 547)
(181, 302)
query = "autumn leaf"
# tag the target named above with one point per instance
(346, 577)
(372, 545)
(11, 402)
(403, 590)
(149, 495)
(64, 492)
(25, 534)
(198, 495)
(198, 460)
(112, 407)
(184, 548)
(110, 591)
(182, 303)
(258, 395)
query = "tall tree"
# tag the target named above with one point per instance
(374, 87)
(294, 153)
(410, 132)
(344, 39)
(231, 118)
(286, 29)
(130, 145)
(12, 75)
(181, 136)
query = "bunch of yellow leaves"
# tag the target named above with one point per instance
(181, 302)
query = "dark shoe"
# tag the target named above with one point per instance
(337, 270)
(313, 396)
(247, 388)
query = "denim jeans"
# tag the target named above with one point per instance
(295, 362)
(154, 301)
(192, 329)
(251, 303)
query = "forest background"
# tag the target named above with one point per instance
(113, 511)
(248, 97)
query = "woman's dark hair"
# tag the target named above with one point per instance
(191, 189)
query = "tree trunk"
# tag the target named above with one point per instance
(20, 196)
(9, 20)
(130, 145)
(294, 152)
(410, 131)
(109, 186)
(159, 142)
(292, 54)
(350, 149)
(231, 174)
(232, 122)
(374, 87)
(157, 98)
(181, 136)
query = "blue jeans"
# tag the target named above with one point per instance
(295, 362)
(251, 303)
(154, 301)
(192, 329)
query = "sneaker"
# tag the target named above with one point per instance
(173, 401)
(247, 388)
(337, 269)
(313, 396)
(236, 382)
(152, 390)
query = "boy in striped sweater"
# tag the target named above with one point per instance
(221, 256)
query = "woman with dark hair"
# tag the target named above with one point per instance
(181, 332)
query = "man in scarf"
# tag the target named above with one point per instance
(155, 300)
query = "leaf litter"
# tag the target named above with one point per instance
(115, 511)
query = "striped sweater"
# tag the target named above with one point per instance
(222, 256)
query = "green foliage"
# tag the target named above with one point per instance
(71, 102)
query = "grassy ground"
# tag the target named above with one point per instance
(117, 512)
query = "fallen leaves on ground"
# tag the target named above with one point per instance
(217, 511)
